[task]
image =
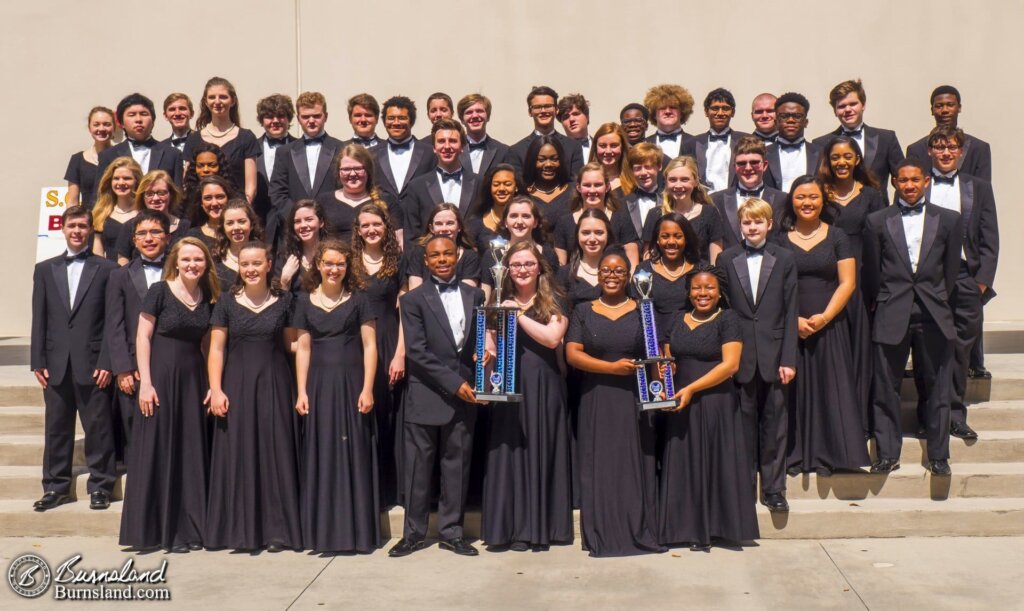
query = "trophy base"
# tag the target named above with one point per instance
(656, 404)
(499, 397)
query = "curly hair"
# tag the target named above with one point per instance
(392, 249)
(675, 96)
(255, 226)
(191, 179)
(312, 279)
(194, 204)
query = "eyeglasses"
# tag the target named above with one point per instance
(619, 272)
(743, 164)
(638, 121)
(720, 108)
(142, 233)
(156, 194)
(542, 107)
(791, 116)
(952, 148)
(352, 171)
(396, 119)
(521, 266)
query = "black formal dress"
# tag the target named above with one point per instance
(480, 234)
(341, 216)
(243, 146)
(197, 232)
(340, 501)
(826, 430)
(705, 480)
(669, 296)
(707, 225)
(165, 499)
(226, 276)
(112, 230)
(82, 173)
(254, 478)
(528, 484)
(618, 478)
(554, 210)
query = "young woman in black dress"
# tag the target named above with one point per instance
(156, 191)
(205, 160)
(115, 205)
(207, 210)
(547, 178)
(239, 226)
(618, 479)
(165, 499)
(592, 192)
(609, 150)
(254, 478)
(307, 226)
(674, 251)
(705, 476)
(81, 172)
(219, 123)
(527, 500)
(499, 185)
(521, 222)
(444, 220)
(855, 194)
(356, 170)
(826, 431)
(335, 365)
(685, 195)
(377, 260)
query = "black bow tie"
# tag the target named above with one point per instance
(853, 133)
(906, 210)
(786, 145)
(366, 142)
(750, 192)
(178, 142)
(444, 287)
(767, 138)
(400, 146)
(82, 256)
(673, 136)
(753, 250)
(148, 143)
(478, 146)
(318, 140)
(448, 176)
(944, 180)
(158, 264)
(276, 142)
(723, 137)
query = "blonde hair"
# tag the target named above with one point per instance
(755, 208)
(700, 192)
(155, 176)
(209, 283)
(106, 200)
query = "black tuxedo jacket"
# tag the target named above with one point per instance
(882, 152)
(773, 177)
(769, 325)
(63, 333)
(685, 142)
(727, 203)
(126, 290)
(289, 180)
(262, 203)
(422, 162)
(975, 161)
(892, 286)
(627, 223)
(697, 147)
(573, 150)
(981, 229)
(494, 153)
(162, 156)
(424, 192)
(436, 366)
(378, 142)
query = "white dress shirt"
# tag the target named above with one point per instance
(793, 163)
(913, 229)
(948, 197)
(476, 156)
(671, 145)
(400, 160)
(717, 159)
(152, 274)
(451, 189)
(754, 269)
(585, 144)
(141, 154)
(270, 154)
(452, 301)
(75, 268)
(645, 203)
(859, 138)
(312, 157)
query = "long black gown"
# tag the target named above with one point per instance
(340, 500)
(254, 478)
(825, 427)
(165, 499)
(82, 173)
(618, 482)
(528, 483)
(705, 480)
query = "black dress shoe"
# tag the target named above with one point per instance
(180, 548)
(979, 373)
(99, 500)
(700, 547)
(51, 500)
(195, 546)
(274, 547)
(404, 547)
(775, 502)
(459, 546)
(939, 467)
(519, 546)
(961, 430)
(885, 465)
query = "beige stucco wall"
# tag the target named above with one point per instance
(60, 57)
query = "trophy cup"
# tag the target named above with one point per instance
(650, 387)
(502, 378)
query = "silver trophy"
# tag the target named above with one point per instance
(503, 376)
(651, 387)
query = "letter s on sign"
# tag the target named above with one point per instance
(51, 199)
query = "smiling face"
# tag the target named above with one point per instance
(101, 126)
(668, 118)
(575, 123)
(352, 175)
(762, 113)
(609, 150)
(807, 202)
(704, 293)
(520, 220)
(253, 266)
(237, 226)
(843, 160)
(719, 114)
(276, 126)
(207, 164)
(792, 120)
(438, 109)
(137, 122)
(503, 187)
(755, 230)
(371, 228)
(945, 109)
(447, 147)
(445, 223)
(157, 195)
(213, 200)
(364, 122)
(397, 123)
(680, 183)
(850, 110)
(613, 275)
(635, 125)
(548, 163)
(312, 119)
(592, 236)
(475, 120)
(192, 263)
(150, 239)
(542, 110)
(333, 267)
(750, 169)
(123, 183)
(945, 155)
(219, 100)
(76, 232)
(671, 241)
(306, 224)
(592, 188)
(910, 184)
(524, 269)
(646, 176)
(440, 257)
(178, 115)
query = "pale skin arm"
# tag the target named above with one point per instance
(847, 271)
(719, 373)
(215, 371)
(250, 179)
(97, 245)
(72, 196)
(548, 334)
(148, 399)
(291, 339)
(414, 281)
(302, 350)
(368, 332)
(632, 253)
(563, 256)
(715, 249)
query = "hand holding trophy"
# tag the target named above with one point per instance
(653, 393)
(503, 377)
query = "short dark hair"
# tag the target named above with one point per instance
(911, 162)
(451, 124)
(133, 100)
(792, 97)
(276, 105)
(365, 100)
(635, 106)
(440, 95)
(573, 99)
(719, 95)
(156, 216)
(945, 133)
(944, 90)
(540, 90)
(401, 101)
(75, 212)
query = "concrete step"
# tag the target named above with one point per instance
(19, 482)
(27, 450)
(990, 416)
(911, 481)
(991, 446)
(25, 419)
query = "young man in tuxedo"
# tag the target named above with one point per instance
(126, 290)
(976, 157)
(363, 115)
(911, 261)
(402, 157)
(762, 291)
(791, 156)
(762, 113)
(440, 404)
(449, 182)
(634, 119)
(671, 107)
(542, 106)
(302, 169)
(179, 112)
(750, 166)
(439, 106)
(881, 148)
(135, 114)
(481, 151)
(574, 115)
(973, 199)
(70, 361)
(715, 149)
(275, 113)
(628, 220)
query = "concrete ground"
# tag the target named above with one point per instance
(933, 573)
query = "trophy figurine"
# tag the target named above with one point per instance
(650, 388)
(502, 379)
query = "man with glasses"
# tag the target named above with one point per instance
(762, 113)
(542, 106)
(791, 156)
(715, 149)
(402, 158)
(750, 167)
(634, 119)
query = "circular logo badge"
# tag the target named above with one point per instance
(656, 387)
(496, 379)
(29, 576)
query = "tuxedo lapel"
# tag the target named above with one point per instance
(775, 164)
(634, 213)
(967, 149)
(385, 165)
(966, 201)
(467, 309)
(323, 166)
(60, 278)
(701, 154)
(88, 273)
(434, 189)
(468, 189)
(732, 199)
(485, 162)
(299, 161)
(931, 229)
(138, 277)
(155, 154)
(437, 309)
(870, 145)
(739, 263)
(895, 226)
(418, 151)
(767, 265)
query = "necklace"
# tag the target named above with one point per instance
(613, 307)
(329, 306)
(184, 295)
(809, 236)
(368, 259)
(494, 217)
(252, 304)
(209, 130)
(590, 271)
(545, 191)
(673, 275)
(710, 317)
(525, 306)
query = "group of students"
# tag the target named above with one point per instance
(276, 335)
